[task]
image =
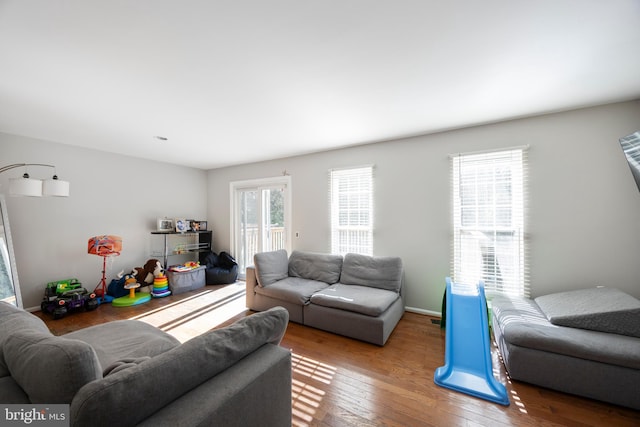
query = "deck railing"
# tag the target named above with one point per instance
(275, 239)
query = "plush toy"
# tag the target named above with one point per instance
(145, 274)
(158, 270)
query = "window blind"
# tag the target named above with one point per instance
(489, 240)
(351, 200)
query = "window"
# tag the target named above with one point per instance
(351, 196)
(489, 191)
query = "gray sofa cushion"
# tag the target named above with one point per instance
(292, 289)
(50, 369)
(523, 324)
(271, 266)
(124, 364)
(121, 340)
(14, 319)
(597, 309)
(314, 266)
(375, 272)
(187, 366)
(359, 299)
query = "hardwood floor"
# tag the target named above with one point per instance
(340, 382)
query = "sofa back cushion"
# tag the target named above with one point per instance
(13, 319)
(376, 272)
(271, 266)
(50, 369)
(314, 266)
(162, 379)
(598, 309)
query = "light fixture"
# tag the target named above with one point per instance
(27, 186)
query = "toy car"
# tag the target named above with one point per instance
(59, 300)
(54, 289)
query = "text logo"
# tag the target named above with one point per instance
(34, 415)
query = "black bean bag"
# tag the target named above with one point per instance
(220, 269)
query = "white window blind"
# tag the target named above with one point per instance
(351, 199)
(489, 198)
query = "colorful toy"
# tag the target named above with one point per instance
(131, 284)
(67, 295)
(160, 282)
(187, 266)
(54, 289)
(160, 287)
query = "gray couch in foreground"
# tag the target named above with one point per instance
(584, 342)
(357, 296)
(128, 373)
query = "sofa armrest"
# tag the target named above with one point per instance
(251, 282)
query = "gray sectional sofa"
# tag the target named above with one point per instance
(357, 296)
(127, 373)
(584, 342)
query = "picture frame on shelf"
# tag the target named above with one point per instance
(182, 225)
(165, 225)
(198, 225)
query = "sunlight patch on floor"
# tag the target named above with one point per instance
(305, 397)
(498, 365)
(198, 313)
(516, 401)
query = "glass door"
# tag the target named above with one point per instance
(260, 217)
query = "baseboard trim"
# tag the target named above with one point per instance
(422, 311)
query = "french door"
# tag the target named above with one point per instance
(260, 218)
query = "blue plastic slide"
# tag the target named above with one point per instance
(467, 353)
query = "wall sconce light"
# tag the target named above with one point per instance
(27, 186)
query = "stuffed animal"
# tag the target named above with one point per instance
(158, 271)
(145, 274)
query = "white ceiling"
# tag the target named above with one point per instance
(230, 82)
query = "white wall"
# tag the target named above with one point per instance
(584, 206)
(584, 217)
(110, 194)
